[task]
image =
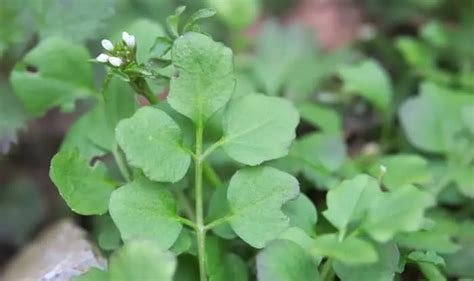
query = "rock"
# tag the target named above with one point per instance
(59, 253)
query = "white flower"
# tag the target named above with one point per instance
(383, 169)
(107, 45)
(102, 58)
(115, 61)
(128, 39)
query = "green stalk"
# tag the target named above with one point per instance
(121, 164)
(200, 229)
(141, 87)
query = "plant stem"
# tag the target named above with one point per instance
(200, 229)
(218, 222)
(121, 164)
(141, 87)
(326, 270)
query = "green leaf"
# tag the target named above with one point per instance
(173, 21)
(74, 20)
(431, 272)
(402, 169)
(145, 209)
(183, 243)
(90, 134)
(401, 210)
(119, 102)
(107, 234)
(428, 240)
(416, 53)
(302, 213)
(427, 257)
(256, 196)
(161, 47)
(141, 260)
(54, 73)
(205, 80)
(236, 14)
(191, 23)
(319, 153)
(324, 118)
(349, 202)
(85, 189)
(382, 270)
(300, 237)
(433, 119)
(231, 268)
(258, 128)
(94, 274)
(369, 80)
(274, 68)
(329, 245)
(152, 142)
(283, 260)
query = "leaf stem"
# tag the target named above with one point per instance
(200, 230)
(187, 222)
(121, 164)
(212, 176)
(217, 222)
(211, 149)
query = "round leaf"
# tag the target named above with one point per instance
(256, 196)
(258, 128)
(85, 189)
(151, 141)
(142, 260)
(144, 209)
(283, 260)
(205, 82)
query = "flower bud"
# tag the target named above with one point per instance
(107, 45)
(102, 58)
(115, 61)
(128, 39)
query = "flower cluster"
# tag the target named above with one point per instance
(120, 54)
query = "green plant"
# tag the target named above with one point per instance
(219, 179)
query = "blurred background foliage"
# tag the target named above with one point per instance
(376, 82)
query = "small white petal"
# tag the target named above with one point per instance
(128, 39)
(115, 61)
(107, 45)
(102, 58)
(383, 169)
